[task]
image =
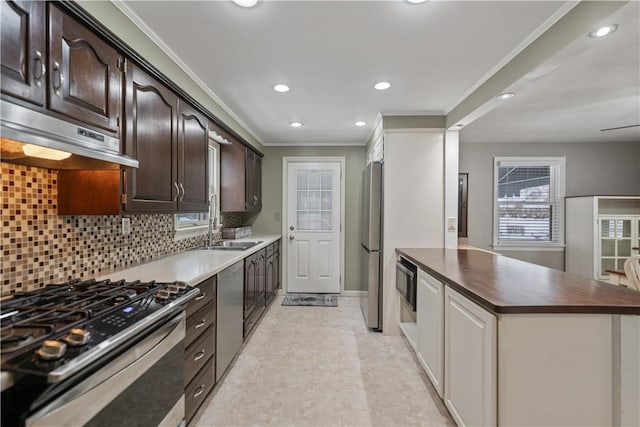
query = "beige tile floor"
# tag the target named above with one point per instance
(320, 366)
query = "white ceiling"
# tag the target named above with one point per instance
(332, 52)
(590, 85)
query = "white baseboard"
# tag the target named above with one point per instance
(354, 294)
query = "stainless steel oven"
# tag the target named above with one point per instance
(142, 386)
(406, 281)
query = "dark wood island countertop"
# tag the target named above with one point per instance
(505, 285)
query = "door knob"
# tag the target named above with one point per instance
(291, 227)
(291, 237)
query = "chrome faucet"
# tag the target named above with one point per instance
(213, 207)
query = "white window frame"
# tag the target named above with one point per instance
(556, 175)
(184, 230)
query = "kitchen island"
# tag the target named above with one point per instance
(506, 342)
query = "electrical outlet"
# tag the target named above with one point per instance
(126, 226)
(451, 223)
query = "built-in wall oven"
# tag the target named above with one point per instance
(407, 281)
(111, 354)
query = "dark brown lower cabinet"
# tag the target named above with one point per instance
(200, 347)
(261, 280)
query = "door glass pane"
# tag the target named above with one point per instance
(326, 200)
(608, 247)
(314, 205)
(621, 264)
(302, 180)
(302, 222)
(624, 248)
(626, 228)
(303, 200)
(608, 228)
(326, 180)
(607, 264)
(314, 200)
(314, 180)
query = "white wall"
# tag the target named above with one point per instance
(591, 169)
(413, 205)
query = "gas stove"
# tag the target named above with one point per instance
(61, 328)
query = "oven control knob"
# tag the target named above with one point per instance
(77, 337)
(163, 295)
(52, 349)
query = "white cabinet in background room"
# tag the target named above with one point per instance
(430, 324)
(470, 385)
(601, 233)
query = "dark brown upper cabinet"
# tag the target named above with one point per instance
(193, 150)
(84, 73)
(240, 178)
(23, 50)
(170, 140)
(151, 136)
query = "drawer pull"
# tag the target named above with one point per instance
(201, 296)
(199, 391)
(199, 356)
(201, 323)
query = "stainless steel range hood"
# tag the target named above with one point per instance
(23, 130)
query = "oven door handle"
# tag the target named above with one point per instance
(88, 398)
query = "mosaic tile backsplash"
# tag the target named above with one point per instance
(38, 246)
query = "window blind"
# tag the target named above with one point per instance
(528, 196)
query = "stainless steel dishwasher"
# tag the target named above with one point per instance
(230, 316)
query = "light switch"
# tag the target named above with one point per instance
(451, 223)
(126, 226)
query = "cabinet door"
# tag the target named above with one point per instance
(151, 137)
(250, 169)
(249, 285)
(269, 277)
(470, 390)
(232, 177)
(260, 275)
(276, 265)
(193, 150)
(23, 50)
(257, 184)
(430, 323)
(84, 75)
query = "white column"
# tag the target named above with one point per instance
(451, 159)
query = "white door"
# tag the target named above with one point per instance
(313, 232)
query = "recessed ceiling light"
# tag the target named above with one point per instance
(281, 88)
(506, 95)
(295, 124)
(382, 85)
(416, 1)
(459, 125)
(603, 31)
(360, 123)
(246, 3)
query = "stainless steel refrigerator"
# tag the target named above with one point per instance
(371, 242)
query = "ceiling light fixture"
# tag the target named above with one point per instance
(603, 31)
(506, 95)
(416, 1)
(382, 85)
(44, 152)
(246, 3)
(282, 88)
(295, 124)
(360, 123)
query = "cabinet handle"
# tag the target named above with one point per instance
(201, 323)
(199, 391)
(199, 356)
(183, 192)
(175, 184)
(38, 70)
(56, 87)
(201, 296)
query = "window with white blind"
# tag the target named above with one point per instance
(528, 201)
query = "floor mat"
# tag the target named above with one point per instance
(320, 300)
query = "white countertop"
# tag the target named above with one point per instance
(191, 266)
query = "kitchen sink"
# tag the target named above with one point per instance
(231, 245)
